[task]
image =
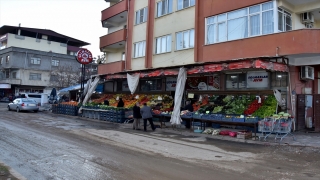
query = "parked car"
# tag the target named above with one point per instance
(23, 104)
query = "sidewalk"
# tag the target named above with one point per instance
(301, 138)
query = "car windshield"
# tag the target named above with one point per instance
(28, 100)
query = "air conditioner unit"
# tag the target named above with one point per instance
(307, 17)
(307, 73)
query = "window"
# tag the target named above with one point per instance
(7, 72)
(236, 81)
(35, 76)
(163, 44)
(151, 85)
(141, 15)
(14, 75)
(1, 60)
(164, 7)
(7, 59)
(185, 39)
(139, 49)
(123, 56)
(242, 23)
(185, 3)
(55, 63)
(284, 20)
(279, 79)
(35, 60)
(54, 78)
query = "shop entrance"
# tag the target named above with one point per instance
(313, 112)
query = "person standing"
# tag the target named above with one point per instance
(146, 114)
(106, 102)
(136, 116)
(188, 107)
(120, 103)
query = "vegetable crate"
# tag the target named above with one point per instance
(238, 119)
(251, 119)
(216, 117)
(228, 118)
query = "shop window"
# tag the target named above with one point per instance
(163, 44)
(185, 3)
(151, 85)
(235, 81)
(239, 24)
(279, 79)
(141, 15)
(164, 7)
(35, 61)
(185, 39)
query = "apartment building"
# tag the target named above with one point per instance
(227, 42)
(28, 56)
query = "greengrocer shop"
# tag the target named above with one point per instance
(231, 88)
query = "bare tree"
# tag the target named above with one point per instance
(64, 76)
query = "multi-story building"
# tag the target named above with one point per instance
(31, 60)
(251, 47)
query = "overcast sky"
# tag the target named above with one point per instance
(79, 19)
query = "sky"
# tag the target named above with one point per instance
(80, 19)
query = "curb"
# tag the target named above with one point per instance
(14, 172)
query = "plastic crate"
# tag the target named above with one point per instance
(206, 116)
(197, 116)
(251, 119)
(216, 117)
(237, 119)
(227, 118)
(187, 115)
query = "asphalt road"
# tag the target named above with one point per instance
(49, 146)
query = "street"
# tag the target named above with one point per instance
(50, 146)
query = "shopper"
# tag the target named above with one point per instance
(136, 116)
(120, 103)
(106, 102)
(146, 114)
(188, 107)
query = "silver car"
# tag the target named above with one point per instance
(23, 104)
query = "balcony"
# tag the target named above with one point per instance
(11, 81)
(294, 44)
(111, 68)
(115, 15)
(113, 40)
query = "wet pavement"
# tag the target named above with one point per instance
(49, 146)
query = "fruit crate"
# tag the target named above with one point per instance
(251, 119)
(238, 119)
(228, 118)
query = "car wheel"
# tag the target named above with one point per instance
(36, 111)
(9, 108)
(18, 110)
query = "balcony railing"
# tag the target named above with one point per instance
(115, 15)
(10, 81)
(110, 68)
(113, 38)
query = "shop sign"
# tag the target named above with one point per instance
(171, 72)
(214, 82)
(116, 76)
(5, 86)
(195, 70)
(213, 68)
(240, 65)
(280, 67)
(84, 56)
(257, 79)
(125, 86)
(263, 64)
(197, 83)
(171, 83)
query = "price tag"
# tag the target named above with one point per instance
(207, 112)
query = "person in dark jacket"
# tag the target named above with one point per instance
(136, 116)
(146, 114)
(120, 103)
(188, 107)
(106, 102)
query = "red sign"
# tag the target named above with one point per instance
(213, 67)
(263, 64)
(195, 70)
(84, 56)
(280, 67)
(240, 65)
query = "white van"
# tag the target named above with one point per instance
(41, 98)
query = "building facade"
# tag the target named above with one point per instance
(31, 60)
(275, 39)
